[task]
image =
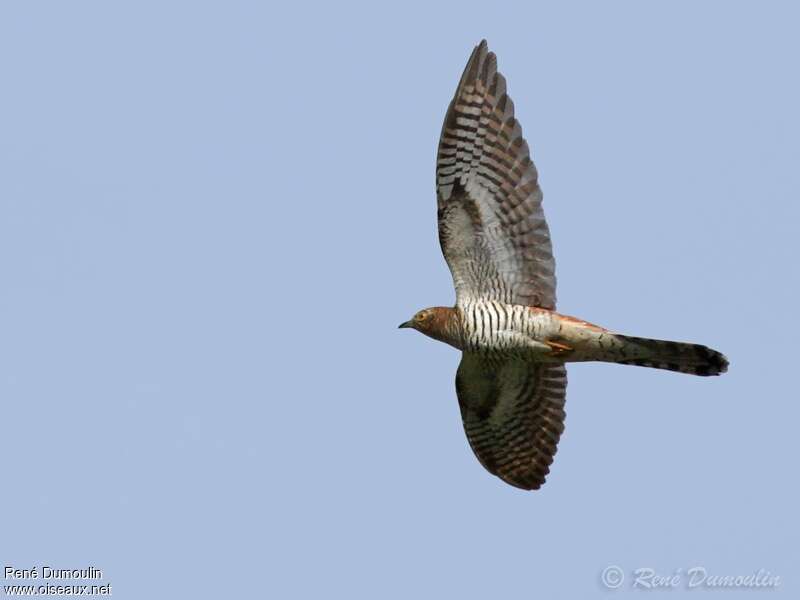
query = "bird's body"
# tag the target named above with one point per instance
(488, 328)
(511, 382)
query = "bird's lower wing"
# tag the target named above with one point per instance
(513, 413)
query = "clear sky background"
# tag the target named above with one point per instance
(214, 215)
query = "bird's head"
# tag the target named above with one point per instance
(420, 321)
(433, 322)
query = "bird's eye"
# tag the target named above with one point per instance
(422, 316)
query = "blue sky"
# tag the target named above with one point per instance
(214, 215)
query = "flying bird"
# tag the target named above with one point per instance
(511, 382)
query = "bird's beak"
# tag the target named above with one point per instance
(405, 325)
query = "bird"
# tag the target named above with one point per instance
(511, 381)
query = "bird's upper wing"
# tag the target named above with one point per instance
(513, 415)
(491, 225)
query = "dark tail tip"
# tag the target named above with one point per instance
(682, 357)
(716, 363)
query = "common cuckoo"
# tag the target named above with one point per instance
(511, 382)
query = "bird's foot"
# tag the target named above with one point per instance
(558, 349)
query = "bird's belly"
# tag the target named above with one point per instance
(491, 327)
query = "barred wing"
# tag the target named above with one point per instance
(513, 416)
(491, 225)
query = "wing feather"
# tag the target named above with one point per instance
(491, 225)
(513, 415)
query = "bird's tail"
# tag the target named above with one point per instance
(672, 356)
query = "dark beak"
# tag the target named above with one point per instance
(405, 325)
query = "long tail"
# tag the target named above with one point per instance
(672, 356)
